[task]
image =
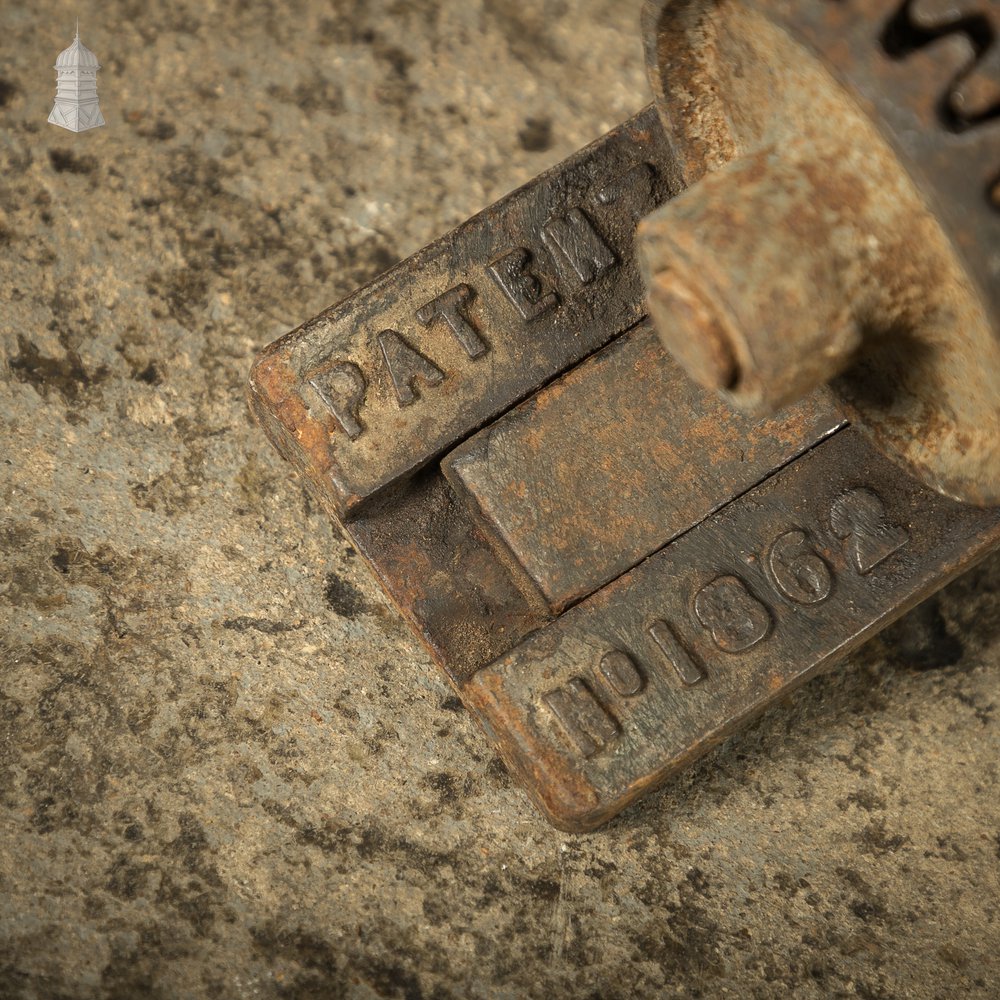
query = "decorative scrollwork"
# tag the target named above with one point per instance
(961, 39)
(972, 98)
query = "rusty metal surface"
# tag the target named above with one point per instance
(623, 453)
(436, 563)
(637, 681)
(837, 218)
(975, 94)
(715, 560)
(468, 602)
(928, 70)
(374, 388)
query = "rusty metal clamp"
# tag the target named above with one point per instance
(616, 564)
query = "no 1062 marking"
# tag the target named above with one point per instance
(728, 610)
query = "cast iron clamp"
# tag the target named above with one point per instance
(614, 563)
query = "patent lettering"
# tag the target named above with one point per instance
(584, 720)
(676, 655)
(620, 673)
(859, 517)
(580, 255)
(736, 619)
(452, 307)
(406, 365)
(633, 189)
(575, 243)
(797, 571)
(342, 389)
(523, 288)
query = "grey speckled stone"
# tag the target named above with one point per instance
(227, 768)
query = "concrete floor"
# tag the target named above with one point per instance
(228, 770)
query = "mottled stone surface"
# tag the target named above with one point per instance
(226, 768)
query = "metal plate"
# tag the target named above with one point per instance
(607, 464)
(655, 669)
(910, 62)
(374, 388)
(594, 706)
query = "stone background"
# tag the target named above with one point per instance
(227, 768)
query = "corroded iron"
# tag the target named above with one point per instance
(377, 386)
(613, 566)
(613, 461)
(839, 158)
(659, 666)
(537, 282)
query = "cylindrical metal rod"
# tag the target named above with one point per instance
(757, 276)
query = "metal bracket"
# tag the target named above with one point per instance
(612, 567)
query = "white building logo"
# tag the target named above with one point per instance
(76, 106)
